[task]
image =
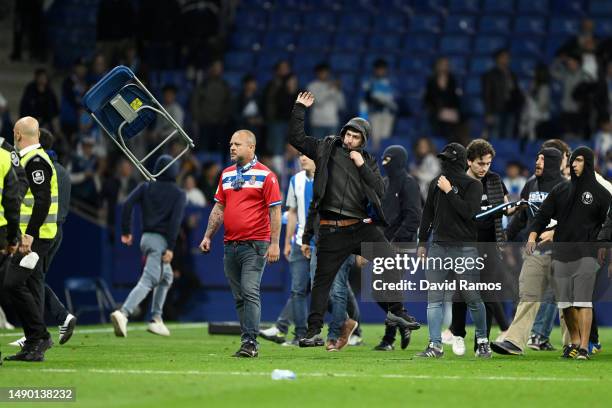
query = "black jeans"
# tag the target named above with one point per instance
(52, 308)
(24, 287)
(334, 246)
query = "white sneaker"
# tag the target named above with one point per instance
(355, 340)
(19, 342)
(447, 337)
(158, 327)
(458, 346)
(270, 332)
(501, 337)
(66, 329)
(119, 323)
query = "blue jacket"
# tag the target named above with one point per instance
(162, 203)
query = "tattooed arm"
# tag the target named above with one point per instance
(214, 222)
(275, 227)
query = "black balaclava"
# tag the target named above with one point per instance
(399, 159)
(454, 164)
(551, 175)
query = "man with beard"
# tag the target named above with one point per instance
(402, 207)
(452, 203)
(535, 272)
(580, 207)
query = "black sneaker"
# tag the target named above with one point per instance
(312, 340)
(570, 351)
(44, 345)
(29, 355)
(384, 346)
(405, 334)
(506, 348)
(483, 350)
(403, 320)
(431, 352)
(546, 346)
(67, 329)
(582, 354)
(248, 349)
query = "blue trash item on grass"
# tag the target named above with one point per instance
(124, 108)
(283, 375)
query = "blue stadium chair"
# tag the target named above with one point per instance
(527, 47)
(530, 25)
(234, 79)
(306, 61)
(474, 106)
(366, 5)
(600, 8)
(412, 84)
(458, 64)
(237, 60)
(425, 24)
(319, 21)
(569, 7)
(553, 43)
(256, 4)
(499, 6)
(473, 86)
(349, 42)
(105, 303)
(403, 126)
(390, 23)
(416, 64)
(523, 66)
(369, 58)
(494, 25)
(464, 6)
(455, 44)
(354, 21)
(345, 62)
(284, 21)
(384, 42)
(564, 25)
(348, 81)
(437, 6)
(485, 45)
(458, 24)
(267, 59)
(300, 5)
(480, 65)
(533, 7)
(124, 107)
(421, 44)
(395, 6)
(314, 41)
(279, 40)
(603, 27)
(252, 19)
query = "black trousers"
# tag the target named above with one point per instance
(494, 310)
(52, 308)
(334, 246)
(24, 288)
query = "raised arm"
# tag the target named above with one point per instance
(297, 136)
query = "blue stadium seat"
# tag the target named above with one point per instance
(306, 61)
(284, 21)
(348, 81)
(279, 40)
(464, 6)
(603, 27)
(384, 42)
(234, 79)
(256, 4)
(494, 25)
(345, 62)
(428, 23)
(300, 5)
(600, 8)
(531, 7)
(458, 24)
(564, 25)
(403, 126)
(245, 40)
(267, 59)
(474, 106)
(499, 6)
(527, 46)
(458, 64)
(569, 7)
(480, 65)
(319, 21)
(473, 86)
(314, 41)
(354, 22)
(349, 42)
(530, 25)
(485, 45)
(238, 60)
(252, 19)
(415, 64)
(421, 43)
(429, 5)
(456, 44)
(553, 43)
(370, 57)
(412, 84)
(523, 66)
(390, 23)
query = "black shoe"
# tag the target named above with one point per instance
(248, 349)
(582, 354)
(546, 346)
(44, 345)
(405, 334)
(311, 340)
(67, 329)
(28, 355)
(384, 346)
(483, 350)
(431, 352)
(506, 348)
(570, 351)
(403, 320)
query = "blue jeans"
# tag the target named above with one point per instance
(156, 275)
(285, 317)
(436, 297)
(243, 264)
(299, 266)
(545, 319)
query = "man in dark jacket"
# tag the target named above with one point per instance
(162, 203)
(452, 202)
(580, 207)
(347, 194)
(402, 208)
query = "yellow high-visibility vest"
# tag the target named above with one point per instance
(5, 167)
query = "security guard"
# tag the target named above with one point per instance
(38, 225)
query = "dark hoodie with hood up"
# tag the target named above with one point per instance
(162, 203)
(402, 199)
(337, 180)
(580, 207)
(450, 216)
(535, 191)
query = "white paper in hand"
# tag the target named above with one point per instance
(29, 261)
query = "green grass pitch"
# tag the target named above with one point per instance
(191, 368)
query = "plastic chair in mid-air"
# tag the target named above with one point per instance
(124, 107)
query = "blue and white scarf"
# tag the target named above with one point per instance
(239, 180)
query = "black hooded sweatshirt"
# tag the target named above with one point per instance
(450, 216)
(162, 203)
(536, 190)
(402, 200)
(580, 207)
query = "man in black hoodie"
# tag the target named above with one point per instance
(580, 207)
(162, 203)
(453, 200)
(534, 279)
(347, 193)
(402, 207)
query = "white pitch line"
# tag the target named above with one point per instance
(299, 375)
(136, 326)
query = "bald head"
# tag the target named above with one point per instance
(26, 132)
(242, 146)
(247, 136)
